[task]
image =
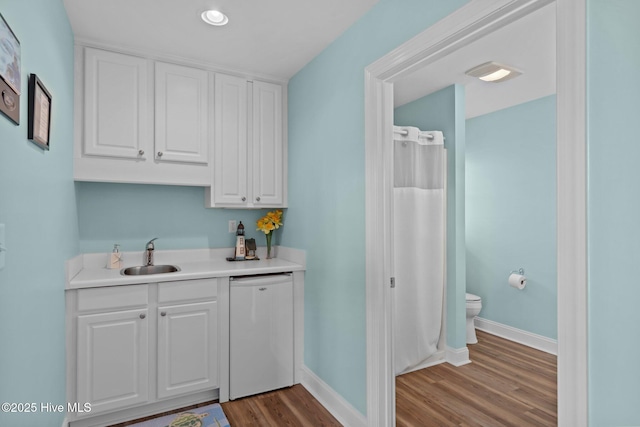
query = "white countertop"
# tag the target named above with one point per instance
(89, 270)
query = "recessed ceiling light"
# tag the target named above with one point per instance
(214, 17)
(493, 72)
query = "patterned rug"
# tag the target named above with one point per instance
(206, 416)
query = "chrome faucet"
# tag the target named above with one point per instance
(148, 252)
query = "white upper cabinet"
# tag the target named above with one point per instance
(230, 142)
(267, 144)
(181, 114)
(147, 121)
(121, 100)
(249, 149)
(116, 108)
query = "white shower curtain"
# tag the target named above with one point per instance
(419, 244)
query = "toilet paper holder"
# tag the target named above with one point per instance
(519, 271)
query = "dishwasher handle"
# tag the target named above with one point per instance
(261, 280)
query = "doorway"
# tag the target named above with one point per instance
(466, 25)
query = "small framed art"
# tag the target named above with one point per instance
(39, 112)
(9, 72)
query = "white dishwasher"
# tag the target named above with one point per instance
(261, 334)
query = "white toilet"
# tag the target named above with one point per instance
(474, 305)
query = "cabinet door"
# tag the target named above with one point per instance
(181, 114)
(187, 348)
(230, 152)
(116, 105)
(112, 355)
(267, 144)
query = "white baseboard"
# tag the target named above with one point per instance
(529, 339)
(457, 356)
(342, 410)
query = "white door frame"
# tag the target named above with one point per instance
(469, 23)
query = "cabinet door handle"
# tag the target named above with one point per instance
(141, 152)
(142, 316)
(163, 313)
(159, 153)
(262, 289)
(244, 199)
(258, 199)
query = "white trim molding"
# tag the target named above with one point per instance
(571, 158)
(380, 374)
(457, 356)
(520, 336)
(342, 410)
(466, 25)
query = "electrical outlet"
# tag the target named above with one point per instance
(3, 246)
(232, 226)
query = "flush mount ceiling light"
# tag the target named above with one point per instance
(214, 17)
(493, 72)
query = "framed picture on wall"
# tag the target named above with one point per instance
(9, 56)
(39, 112)
(10, 75)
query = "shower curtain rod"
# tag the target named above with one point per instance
(406, 132)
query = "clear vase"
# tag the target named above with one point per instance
(269, 235)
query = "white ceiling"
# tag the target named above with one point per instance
(527, 44)
(274, 38)
(277, 38)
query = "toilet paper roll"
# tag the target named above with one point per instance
(517, 281)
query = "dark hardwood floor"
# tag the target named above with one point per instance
(293, 406)
(507, 384)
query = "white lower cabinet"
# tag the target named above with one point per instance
(112, 356)
(187, 348)
(135, 350)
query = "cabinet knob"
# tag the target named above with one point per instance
(258, 199)
(244, 199)
(159, 153)
(163, 313)
(141, 152)
(142, 316)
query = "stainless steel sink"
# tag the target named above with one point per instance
(149, 269)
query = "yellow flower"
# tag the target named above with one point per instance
(271, 221)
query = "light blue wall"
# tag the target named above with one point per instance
(511, 214)
(37, 204)
(326, 187)
(445, 110)
(131, 214)
(613, 98)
